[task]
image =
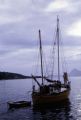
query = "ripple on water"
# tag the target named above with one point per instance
(16, 90)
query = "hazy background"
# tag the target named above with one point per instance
(20, 21)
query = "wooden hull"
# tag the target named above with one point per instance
(53, 98)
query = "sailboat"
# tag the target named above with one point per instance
(55, 90)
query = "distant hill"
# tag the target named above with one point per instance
(75, 72)
(8, 75)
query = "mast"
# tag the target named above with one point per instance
(58, 47)
(41, 56)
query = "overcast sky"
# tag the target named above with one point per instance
(20, 21)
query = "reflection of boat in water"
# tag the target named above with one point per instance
(61, 111)
(54, 107)
(55, 90)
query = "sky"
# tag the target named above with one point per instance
(20, 21)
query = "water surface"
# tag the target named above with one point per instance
(12, 90)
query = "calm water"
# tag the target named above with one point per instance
(20, 90)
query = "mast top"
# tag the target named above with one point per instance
(57, 24)
(57, 19)
(39, 31)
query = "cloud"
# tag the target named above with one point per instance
(72, 51)
(68, 6)
(19, 60)
(75, 29)
(57, 5)
(72, 55)
(10, 19)
(19, 24)
(13, 11)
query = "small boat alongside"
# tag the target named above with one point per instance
(19, 104)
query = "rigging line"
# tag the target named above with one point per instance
(38, 61)
(60, 43)
(37, 64)
(45, 64)
(64, 64)
(45, 68)
(58, 47)
(36, 70)
(53, 57)
(53, 53)
(49, 61)
(63, 68)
